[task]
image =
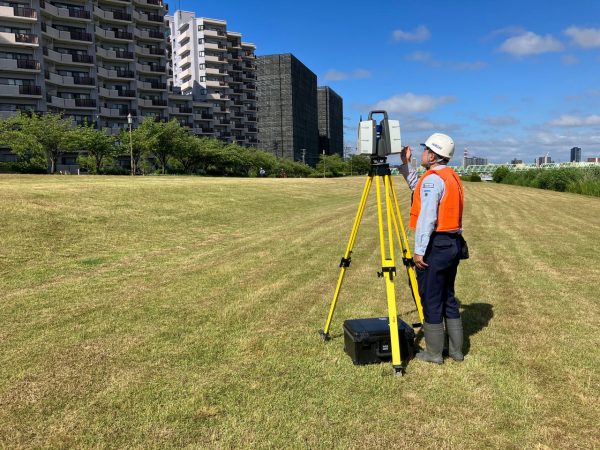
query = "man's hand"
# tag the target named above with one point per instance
(405, 155)
(418, 259)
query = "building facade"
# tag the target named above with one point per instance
(331, 121)
(99, 61)
(287, 103)
(575, 154)
(94, 61)
(216, 72)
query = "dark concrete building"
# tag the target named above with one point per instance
(331, 121)
(575, 154)
(287, 108)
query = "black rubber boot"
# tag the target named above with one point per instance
(455, 339)
(434, 339)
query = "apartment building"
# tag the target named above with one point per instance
(287, 93)
(96, 61)
(331, 121)
(214, 76)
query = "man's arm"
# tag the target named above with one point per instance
(409, 174)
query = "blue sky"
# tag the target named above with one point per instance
(506, 79)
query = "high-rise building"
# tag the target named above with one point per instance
(96, 61)
(575, 154)
(516, 161)
(543, 160)
(216, 71)
(287, 106)
(331, 121)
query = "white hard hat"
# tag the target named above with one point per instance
(441, 144)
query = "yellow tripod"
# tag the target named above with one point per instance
(380, 171)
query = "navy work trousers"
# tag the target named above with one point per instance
(436, 282)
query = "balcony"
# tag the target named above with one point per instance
(112, 16)
(65, 13)
(158, 52)
(71, 103)
(150, 3)
(143, 17)
(117, 112)
(67, 36)
(9, 90)
(26, 40)
(148, 68)
(114, 93)
(65, 80)
(204, 131)
(20, 65)
(116, 73)
(110, 35)
(154, 85)
(114, 55)
(152, 35)
(18, 14)
(66, 58)
(181, 110)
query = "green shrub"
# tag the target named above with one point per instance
(23, 167)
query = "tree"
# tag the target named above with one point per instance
(500, 174)
(96, 143)
(143, 141)
(169, 135)
(37, 136)
(359, 164)
(188, 153)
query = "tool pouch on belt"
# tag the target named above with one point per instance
(464, 253)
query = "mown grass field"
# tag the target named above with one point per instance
(183, 312)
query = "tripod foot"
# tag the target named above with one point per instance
(324, 336)
(398, 371)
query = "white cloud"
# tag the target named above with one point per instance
(410, 103)
(336, 75)
(427, 58)
(477, 65)
(421, 34)
(500, 120)
(530, 44)
(419, 57)
(575, 121)
(584, 37)
(569, 60)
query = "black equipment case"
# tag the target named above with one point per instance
(368, 341)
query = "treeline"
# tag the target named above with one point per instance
(157, 147)
(579, 180)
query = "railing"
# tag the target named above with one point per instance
(86, 59)
(30, 90)
(28, 64)
(156, 51)
(25, 12)
(123, 35)
(26, 38)
(81, 36)
(86, 81)
(124, 54)
(126, 93)
(185, 110)
(119, 15)
(156, 34)
(85, 102)
(159, 102)
(125, 73)
(158, 68)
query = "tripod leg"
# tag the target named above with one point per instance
(388, 270)
(345, 262)
(407, 255)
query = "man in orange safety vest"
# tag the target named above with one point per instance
(436, 217)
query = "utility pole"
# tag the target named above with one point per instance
(130, 122)
(323, 163)
(303, 156)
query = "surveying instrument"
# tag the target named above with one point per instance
(379, 140)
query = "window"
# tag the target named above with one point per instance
(201, 66)
(201, 41)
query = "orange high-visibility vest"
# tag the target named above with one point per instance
(451, 206)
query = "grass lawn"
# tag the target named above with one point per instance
(183, 312)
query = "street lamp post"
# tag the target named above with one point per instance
(130, 122)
